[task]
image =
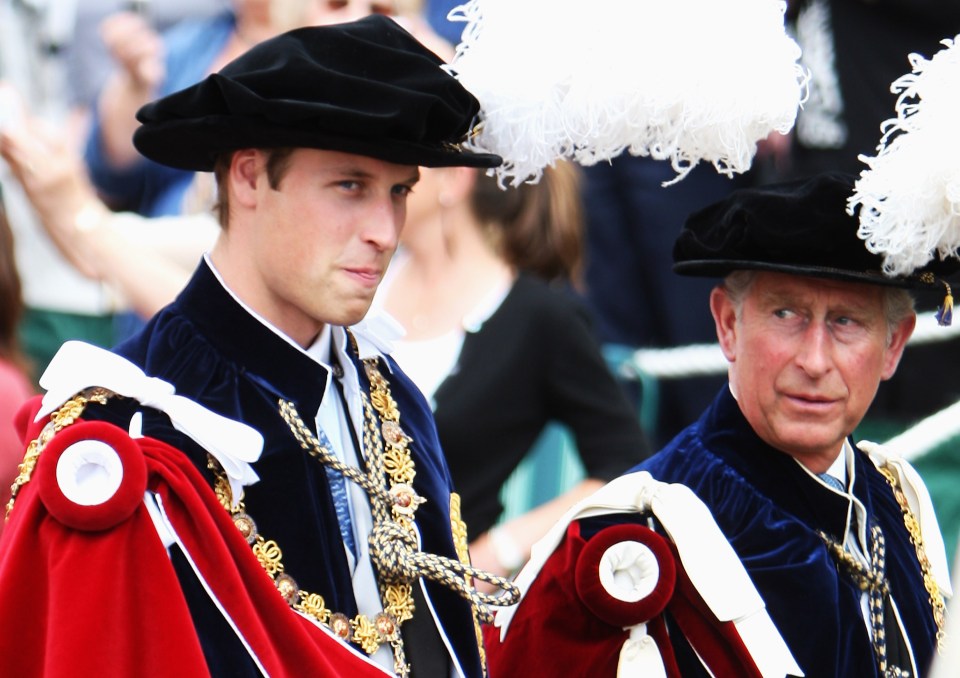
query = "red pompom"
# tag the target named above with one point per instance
(598, 599)
(91, 476)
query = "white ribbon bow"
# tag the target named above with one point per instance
(78, 365)
(709, 560)
(640, 656)
(629, 571)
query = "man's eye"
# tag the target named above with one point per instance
(402, 191)
(782, 313)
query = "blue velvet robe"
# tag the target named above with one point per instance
(770, 509)
(217, 354)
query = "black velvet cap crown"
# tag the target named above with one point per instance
(366, 87)
(799, 227)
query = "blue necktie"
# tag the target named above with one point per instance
(338, 490)
(832, 482)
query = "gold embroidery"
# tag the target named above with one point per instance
(393, 541)
(399, 467)
(268, 553)
(935, 596)
(399, 599)
(365, 634)
(314, 605)
(270, 556)
(459, 530)
(401, 498)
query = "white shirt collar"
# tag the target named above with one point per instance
(375, 334)
(841, 468)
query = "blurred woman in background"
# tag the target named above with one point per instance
(500, 345)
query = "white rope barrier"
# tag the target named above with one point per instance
(928, 331)
(676, 363)
(928, 433)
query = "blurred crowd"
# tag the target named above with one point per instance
(95, 239)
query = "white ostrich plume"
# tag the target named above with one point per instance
(909, 198)
(677, 80)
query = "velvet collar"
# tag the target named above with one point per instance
(244, 340)
(775, 474)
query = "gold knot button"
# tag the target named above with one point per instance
(386, 625)
(248, 528)
(340, 625)
(405, 499)
(392, 433)
(288, 588)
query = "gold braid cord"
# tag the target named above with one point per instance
(68, 413)
(872, 580)
(459, 529)
(388, 482)
(916, 538)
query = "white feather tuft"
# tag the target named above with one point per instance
(909, 198)
(684, 80)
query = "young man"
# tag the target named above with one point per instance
(344, 526)
(839, 540)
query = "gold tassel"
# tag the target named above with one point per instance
(945, 312)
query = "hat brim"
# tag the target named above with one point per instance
(719, 268)
(192, 144)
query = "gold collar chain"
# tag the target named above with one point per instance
(935, 597)
(394, 550)
(68, 413)
(368, 633)
(388, 481)
(872, 580)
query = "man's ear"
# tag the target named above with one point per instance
(246, 168)
(898, 341)
(725, 317)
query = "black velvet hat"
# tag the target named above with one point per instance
(799, 227)
(367, 87)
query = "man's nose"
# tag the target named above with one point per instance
(814, 354)
(383, 227)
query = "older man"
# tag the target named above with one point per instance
(839, 540)
(159, 539)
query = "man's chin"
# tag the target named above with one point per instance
(810, 444)
(353, 313)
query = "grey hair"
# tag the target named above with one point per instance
(898, 303)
